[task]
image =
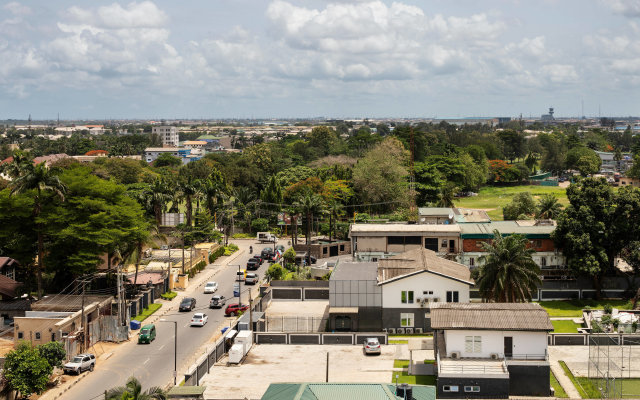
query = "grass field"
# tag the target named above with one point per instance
(573, 308)
(404, 377)
(494, 198)
(559, 391)
(585, 386)
(565, 326)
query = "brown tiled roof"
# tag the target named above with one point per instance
(490, 316)
(419, 260)
(145, 277)
(8, 287)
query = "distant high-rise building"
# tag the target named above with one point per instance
(169, 135)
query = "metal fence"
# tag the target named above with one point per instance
(295, 324)
(614, 365)
(107, 329)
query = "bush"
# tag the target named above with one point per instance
(260, 224)
(25, 370)
(230, 249)
(275, 272)
(169, 295)
(608, 309)
(243, 236)
(53, 352)
(219, 252)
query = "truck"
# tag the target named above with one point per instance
(267, 237)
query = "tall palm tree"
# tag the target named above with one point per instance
(309, 204)
(213, 191)
(188, 187)
(133, 391)
(507, 274)
(334, 209)
(548, 207)
(41, 179)
(446, 195)
(157, 196)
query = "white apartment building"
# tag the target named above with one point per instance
(169, 135)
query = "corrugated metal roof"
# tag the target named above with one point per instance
(355, 271)
(490, 316)
(439, 211)
(343, 391)
(485, 230)
(352, 391)
(384, 229)
(417, 261)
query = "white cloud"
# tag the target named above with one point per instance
(628, 8)
(17, 9)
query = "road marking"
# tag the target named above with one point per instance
(146, 361)
(161, 347)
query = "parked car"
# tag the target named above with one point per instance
(199, 319)
(251, 279)
(210, 287)
(252, 264)
(187, 304)
(266, 252)
(234, 309)
(258, 258)
(79, 363)
(371, 346)
(147, 334)
(217, 301)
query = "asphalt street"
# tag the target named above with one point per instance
(153, 364)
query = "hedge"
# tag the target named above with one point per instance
(169, 295)
(216, 254)
(197, 268)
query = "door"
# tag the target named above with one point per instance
(508, 346)
(452, 246)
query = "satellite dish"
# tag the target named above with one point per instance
(450, 215)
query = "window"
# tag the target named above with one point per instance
(444, 243)
(472, 389)
(53, 337)
(431, 244)
(543, 261)
(406, 320)
(324, 250)
(428, 292)
(472, 262)
(406, 297)
(452, 296)
(374, 259)
(37, 335)
(341, 247)
(473, 344)
(450, 388)
(412, 240)
(395, 239)
(20, 335)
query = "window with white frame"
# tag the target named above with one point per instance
(472, 389)
(450, 388)
(473, 344)
(452, 296)
(406, 320)
(406, 297)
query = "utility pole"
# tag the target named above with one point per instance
(250, 311)
(82, 319)
(119, 295)
(239, 286)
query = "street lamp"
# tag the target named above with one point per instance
(175, 349)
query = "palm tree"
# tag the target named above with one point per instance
(133, 391)
(213, 191)
(41, 179)
(548, 207)
(446, 195)
(507, 274)
(334, 209)
(309, 204)
(156, 197)
(188, 189)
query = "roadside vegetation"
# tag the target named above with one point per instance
(557, 388)
(147, 312)
(585, 386)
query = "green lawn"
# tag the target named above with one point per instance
(586, 387)
(573, 308)
(398, 341)
(630, 387)
(494, 198)
(147, 312)
(559, 391)
(565, 326)
(404, 377)
(400, 363)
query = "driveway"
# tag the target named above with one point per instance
(266, 364)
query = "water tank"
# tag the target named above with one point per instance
(404, 391)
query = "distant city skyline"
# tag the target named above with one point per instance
(306, 58)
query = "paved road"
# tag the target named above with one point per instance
(152, 364)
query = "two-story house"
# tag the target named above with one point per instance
(491, 350)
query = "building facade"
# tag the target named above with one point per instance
(169, 135)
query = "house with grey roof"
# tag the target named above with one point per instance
(491, 350)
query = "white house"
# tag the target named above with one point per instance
(414, 280)
(491, 349)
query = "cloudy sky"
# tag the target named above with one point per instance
(307, 58)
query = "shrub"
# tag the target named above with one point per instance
(275, 272)
(634, 326)
(230, 249)
(260, 224)
(169, 295)
(219, 252)
(53, 352)
(608, 309)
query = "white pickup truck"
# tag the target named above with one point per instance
(267, 237)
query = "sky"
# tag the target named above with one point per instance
(318, 58)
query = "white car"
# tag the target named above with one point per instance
(199, 319)
(79, 363)
(210, 287)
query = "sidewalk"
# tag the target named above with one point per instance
(564, 381)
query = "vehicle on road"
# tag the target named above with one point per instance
(371, 346)
(187, 304)
(266, 252)
(267, 237)
(240, 275)
(258, 258)
(147, 334)
(79, 363)
(251, 279)
(199, 319)
(210, 287)
(236, 289)
(217, 301)
(252, 264)
(234, 309)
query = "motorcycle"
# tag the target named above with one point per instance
(250, 249)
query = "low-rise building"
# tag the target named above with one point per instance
(184, 154)
(491, 350)
(347, 391)
(451, 215)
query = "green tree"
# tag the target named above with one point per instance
(156, 197)
(507, 273)
(53, 352)
(447, 195)
(43, 182)
(167, 160)
(596, 226)
(323, 138)
(272, 194)
(583, 159)
(520, 207)
(309, 204)
(513, 144)
(429, 183)
(25, 370)
(189, 188)
(289, 256)
(634, 171)
(548, 207)
(276, 272)
(133, 391)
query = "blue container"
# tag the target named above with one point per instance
(134, 325)
(224, 329)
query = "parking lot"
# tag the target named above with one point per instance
(266, 364)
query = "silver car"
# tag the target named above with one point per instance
(79, 363)
(371, 346)
(251, 279)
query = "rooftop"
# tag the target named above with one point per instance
(490, 316)
(384, 229)
(528, 228)
(418, 261)
(342, 391)
(439, 211)
(355, 271)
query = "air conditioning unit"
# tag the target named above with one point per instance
(391, 330)
(495, 356)
(418, 330)
(419, 299)
(409, 330)
(400, 330)
(455, 355)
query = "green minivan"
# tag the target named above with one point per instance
(147, 334)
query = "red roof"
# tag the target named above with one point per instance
(145, 277)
